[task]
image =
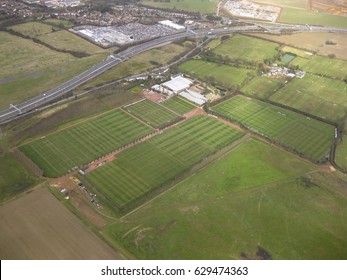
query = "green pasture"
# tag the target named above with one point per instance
(59, 22)
(179, 105)
(200, 6)
(262, 87)
(151, 113)
(223, 75)
(256, 195)
(59, 152)
(67, 41)
(319, 96)
(138, 64)
(297, 4)
(295, 16)
(28, 69)
(160, 160)
(33, 29)
(341, 153)
(325, 66)
(14, 177)
(308, 137)
(247, 48)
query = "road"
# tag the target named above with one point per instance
(20, 109)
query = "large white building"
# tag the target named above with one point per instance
(177, 84)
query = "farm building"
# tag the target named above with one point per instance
(177, 84)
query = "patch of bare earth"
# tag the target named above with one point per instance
(38, 226)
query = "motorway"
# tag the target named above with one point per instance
(49, 96)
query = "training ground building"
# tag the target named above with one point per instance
(179, 85)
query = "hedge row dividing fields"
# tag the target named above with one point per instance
(58, 153)
(152, 113)
(149, 165)
(308, 137)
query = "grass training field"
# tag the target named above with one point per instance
(308, 137)
(28, 69)
(151, 113)
(224, 75)
(57, 153)
(323, 65)
(295, 16)
(262, 87)
(201, 6)
(256, 195)
(39, 227)
(179, 105)
(319, 96)
(160, 160)
(14, 177)
(287, 57)
(248, 48)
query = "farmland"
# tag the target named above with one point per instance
(60, 39)
(223, 75)
(203, 6)
(323, 65)
(160, 160)
(341, 153)
(248, 48)
(262, 87)
(14, 177)
(306, 136)
(57, 153)
(313, 42)
(152, 113)
(290, 15)
(178, 105)
(138, 64)
(319, 96)
(255, 195)
(37, 226)
(28, 69)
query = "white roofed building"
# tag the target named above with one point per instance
(171, 24)
(177, 84)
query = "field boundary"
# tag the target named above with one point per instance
(28, 163)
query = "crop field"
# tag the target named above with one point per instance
(319, 96)
(256, 195)
(57, 153)
(38, 227)
(153, 163)
(14, 177)
(312, 42)
(28, 69)
(295, 16)
(152, 113)
(323, 65)
(138, 64)
(224, 75)
(248, 48)
(179, 105)
(203, 6)
(298, 4)
(306, 136)
(262, 87)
